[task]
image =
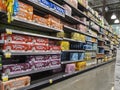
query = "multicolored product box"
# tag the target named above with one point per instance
(41, 62)
(16, 83)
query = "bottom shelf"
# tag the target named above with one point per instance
(59, 76)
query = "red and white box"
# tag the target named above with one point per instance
(55, 48)
(55, 60)
(40, 48)
(15, 47)
(16, 68)
(16, 38)
(41, 41)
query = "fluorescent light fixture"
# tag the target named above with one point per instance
(113, 16)
(116, 21)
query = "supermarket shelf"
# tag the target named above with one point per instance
(31, 72)
(40, 7)
(100, 46)
(73, 51)
(91, 50)
(27, 33)
(100, 53)
(32, 25)
(61, 76)
(91, 42)
(70, 61)
(75, 10)
(94, 29)
(73, 20)
(70, 29)
(31, 53)
(72, 40)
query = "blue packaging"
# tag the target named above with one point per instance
(73, 56)
(15, 7)
(81, 56)
(45, 2)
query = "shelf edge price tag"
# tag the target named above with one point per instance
(7, 55)
(50, 81)
(4, 78)
(8, 31)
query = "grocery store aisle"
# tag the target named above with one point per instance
(97, 79)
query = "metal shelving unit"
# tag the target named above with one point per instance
(31, 53)
(60, 76)
(73, 51)
(28, 33)
(72, 40)
(32, 72)
(34, 26)
(70, 61)
(40, 7)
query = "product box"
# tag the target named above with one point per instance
(68, 10)
(74, 56)
(16, 68)
(2, 6)
(40, 20)
(41, 41)
(38, 48)
(70, 68)
(15, 47)
(15, 83)
(16, 38)
(55, 48)
(24, 15)
(25, 7)
(55, 60)
(64, 45)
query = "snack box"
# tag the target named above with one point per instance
(15, 83)
(25, 7)
(41, 41)
(16, 68)
(38, 48)
(70, 68)
(2, 6)
(40, 20)
(54, 48)
(24, 15)
(15, 47)
(55, 60)
(16, 38)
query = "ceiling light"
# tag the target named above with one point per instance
(113, 16)
(116, 21)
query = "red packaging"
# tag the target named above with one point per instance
(16, 68)
(55, 48)
(41, 41)
(40, 20)
(38, 48)
(14, 47)
(16, 38)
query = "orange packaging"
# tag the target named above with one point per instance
(40, 20)
(15, 83)
(24, 15)
(25, 7)
(56, 25)
(2, 6)
(50, 17)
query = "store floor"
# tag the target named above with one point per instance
(101, 78)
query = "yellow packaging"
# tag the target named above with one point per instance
(75, 36)
(60, 34)
(64, 45)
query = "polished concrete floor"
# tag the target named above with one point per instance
(101, 78)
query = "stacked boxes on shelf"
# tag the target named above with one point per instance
(3, 6)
